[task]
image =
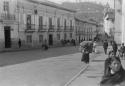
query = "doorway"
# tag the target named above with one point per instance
(7, 35)
(50, 39)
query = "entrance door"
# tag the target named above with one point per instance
(50, 39)
(7, 36)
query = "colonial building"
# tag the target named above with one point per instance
(85, 30)
(35, 23)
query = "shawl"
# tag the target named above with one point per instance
(113, 79)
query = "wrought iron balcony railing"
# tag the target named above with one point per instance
(59, 29)
(51, 28)
(29, 28)
(42, 28)
(7, 16)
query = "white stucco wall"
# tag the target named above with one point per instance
(123, 21)
(118, 23)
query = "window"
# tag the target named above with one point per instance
(58, 36)
(70, 24)
(40, 22)
(28, 21)
(65, 24)
(58, 22)
(70, 35)
(6, 6)
(65, 36)
(40, 38)
(29, 38)
(50, 23)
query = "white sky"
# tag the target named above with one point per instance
(102, 1)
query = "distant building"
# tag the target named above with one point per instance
(35, 23)
(85, 30)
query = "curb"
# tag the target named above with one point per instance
(77, 75)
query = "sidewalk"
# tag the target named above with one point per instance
(92, 75)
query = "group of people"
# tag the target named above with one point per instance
(121, 50)
(114, 74)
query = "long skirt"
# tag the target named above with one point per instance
(85, 57)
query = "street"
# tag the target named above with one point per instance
(64, 63)
(54, 67)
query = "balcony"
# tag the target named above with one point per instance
(59, 29)
(30, 28)
(66, 28)
(51, 28)
(7, 18)
(42, 28)
(71, 28)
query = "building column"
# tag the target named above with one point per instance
(123, 21)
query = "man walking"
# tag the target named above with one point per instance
(105, 46)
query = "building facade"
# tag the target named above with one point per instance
(35, 23)
(123, 21)
(119, 21)
(8, 24)
(85, 30)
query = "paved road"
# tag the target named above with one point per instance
(39, 68)
(56, 71)
(11, 58)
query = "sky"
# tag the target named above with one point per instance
(102, 1)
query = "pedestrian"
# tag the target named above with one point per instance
(85, 54)
(95, 46)
(105, 46)
(74, 42)
(114, 47)
(19, 43)
(122, 51)
(116, 74)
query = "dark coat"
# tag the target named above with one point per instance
(115, 79)
(114, 47)
(85, 56)
(105, 44)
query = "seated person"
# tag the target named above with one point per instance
(107, 61)
(121, 50)
(116, 74)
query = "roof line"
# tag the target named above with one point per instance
(86, 21)
(51, 5)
